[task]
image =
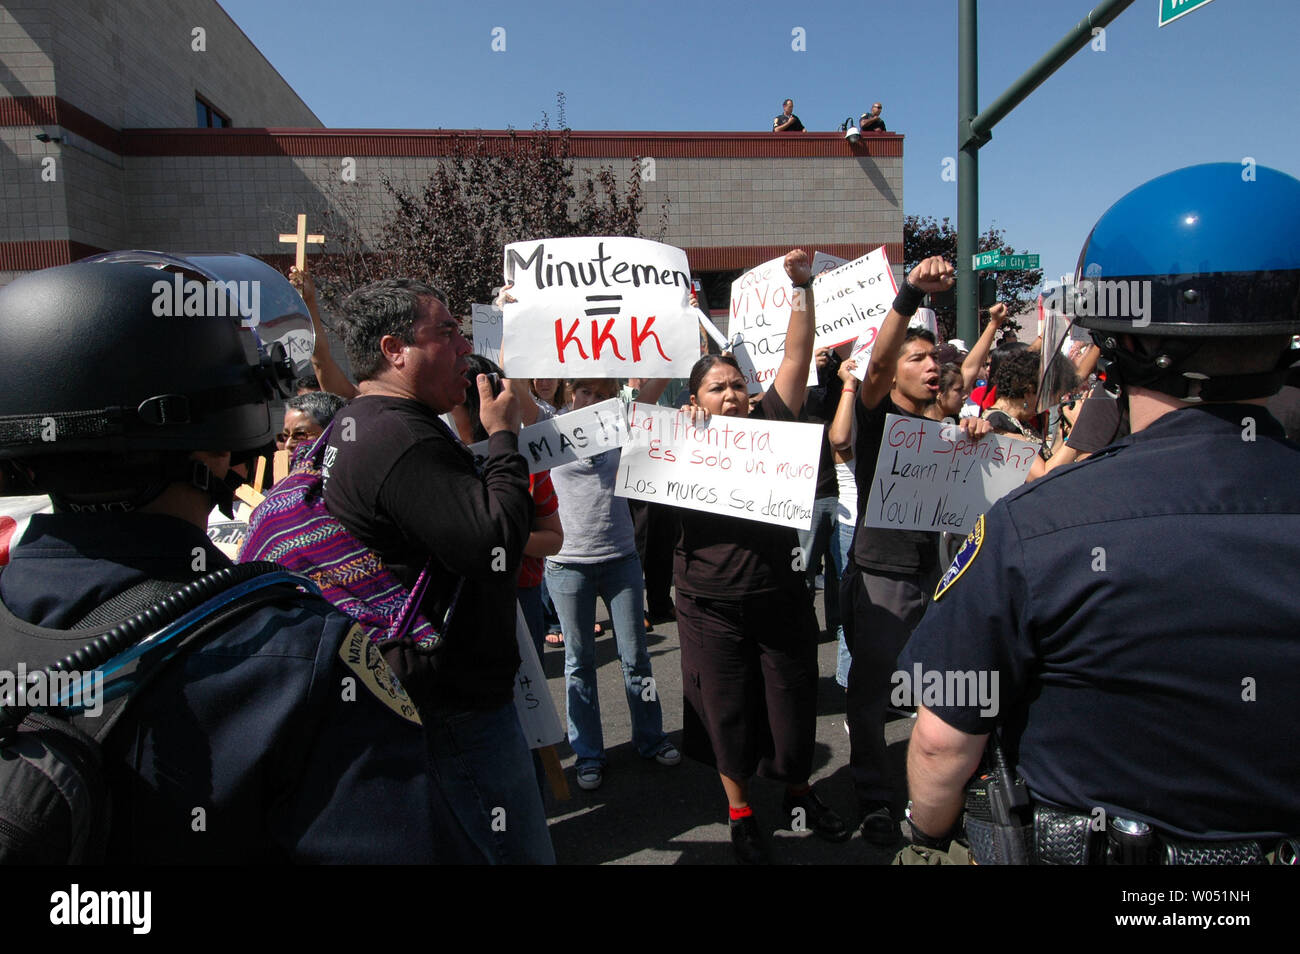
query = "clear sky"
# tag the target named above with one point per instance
(1220, 84)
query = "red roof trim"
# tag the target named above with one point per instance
(30, 256)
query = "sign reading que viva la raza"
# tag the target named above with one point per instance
(599, 307)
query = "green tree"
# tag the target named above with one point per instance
(484, 195)
(923, 236)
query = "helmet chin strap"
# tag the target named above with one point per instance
(1159, 369)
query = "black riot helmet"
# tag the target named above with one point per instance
(120, 365)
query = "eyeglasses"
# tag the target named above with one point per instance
(298, 434)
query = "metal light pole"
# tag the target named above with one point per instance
(974, 130)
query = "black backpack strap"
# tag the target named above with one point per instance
(270, 591)
(154, 634)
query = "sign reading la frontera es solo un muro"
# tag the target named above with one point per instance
(600, 307)
(749, 468)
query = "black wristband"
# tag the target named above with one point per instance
(909, 299)
(806, 286)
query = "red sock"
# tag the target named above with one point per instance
(738, 813)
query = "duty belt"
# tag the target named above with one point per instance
(1064, 838)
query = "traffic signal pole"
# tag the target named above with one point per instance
(975, 129)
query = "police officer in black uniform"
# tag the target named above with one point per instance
(1128, 625)
(282, 737)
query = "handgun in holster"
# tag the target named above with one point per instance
(998, 819)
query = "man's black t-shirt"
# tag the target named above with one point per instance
(729, 557)
(875, 548)
(400, 482)
(795, 126)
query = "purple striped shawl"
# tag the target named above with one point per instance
(291, 527)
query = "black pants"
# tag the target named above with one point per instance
(749, 683)
(880, 611)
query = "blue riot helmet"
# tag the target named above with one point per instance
(1185, 261)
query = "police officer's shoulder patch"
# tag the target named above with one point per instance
(964, 558)
(363, 658)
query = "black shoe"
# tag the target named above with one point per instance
(879, 827)
(817, 816)
(662, 615)
(748, 843)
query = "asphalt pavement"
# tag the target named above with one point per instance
(646, 813)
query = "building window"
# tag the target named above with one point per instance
(209, 117)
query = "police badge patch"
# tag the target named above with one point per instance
(964, 558)
(361, 656)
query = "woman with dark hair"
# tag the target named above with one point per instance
(599, 560)
(947, 403)
(745, 617)
(306, 417)
(1015, 412)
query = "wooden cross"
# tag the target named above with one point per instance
(301, 238)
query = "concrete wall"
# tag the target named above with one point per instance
(241, 202)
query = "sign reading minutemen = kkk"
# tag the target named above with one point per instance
(598, 307)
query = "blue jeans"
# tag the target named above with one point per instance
(481, 762)
(818, 542)
(844, 659)
(574, 588)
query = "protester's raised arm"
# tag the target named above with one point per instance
(326, 369)
(970, 368)
(930, 276)
(791, 382)
(840, 432)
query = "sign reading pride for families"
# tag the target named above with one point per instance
(851, 301)
(932, 476)
(485, 327)
(599, 307)
(755, 469)
(569, 437)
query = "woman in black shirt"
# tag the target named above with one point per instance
(745, 618)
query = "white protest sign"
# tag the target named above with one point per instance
(601, 307)
(533, 703)
(569, 437)
(927, 319)
(485, 327)
(851, 301)
(754, 469)
(760, 314)
(826, 262)
(924, 318)
(932, 476)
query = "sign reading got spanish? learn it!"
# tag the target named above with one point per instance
(932, 476)
(599, 307)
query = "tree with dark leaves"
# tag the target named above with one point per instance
(488, 192)
(923, 236)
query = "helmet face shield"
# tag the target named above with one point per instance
(227, 284)
(148, 351)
